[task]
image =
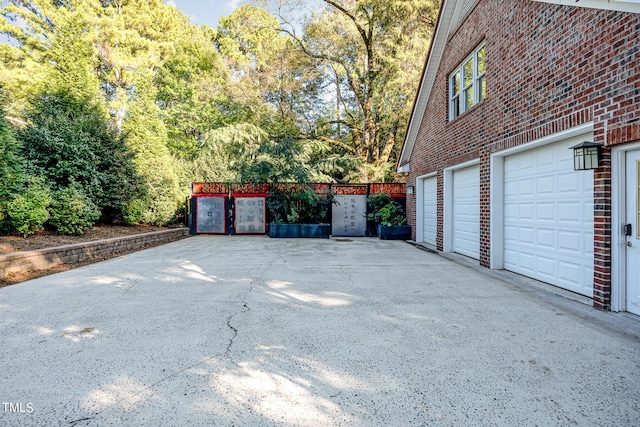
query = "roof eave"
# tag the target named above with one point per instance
(434, 55)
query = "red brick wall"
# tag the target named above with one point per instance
(549, 68)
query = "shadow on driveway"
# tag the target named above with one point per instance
(241, 330)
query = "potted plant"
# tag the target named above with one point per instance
(375, 202)
(299, 213)
(392, 222)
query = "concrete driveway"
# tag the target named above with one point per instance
(252, 331)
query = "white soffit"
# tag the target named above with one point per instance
(632, 6)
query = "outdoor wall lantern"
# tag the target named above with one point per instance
(411, 189)
(586, 155)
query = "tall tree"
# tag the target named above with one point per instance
(52, 45)
(372, 50)
(192, 91)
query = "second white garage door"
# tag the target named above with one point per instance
(466, 211)
(548, 217)
(430, 210)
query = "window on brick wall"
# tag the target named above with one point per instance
(467, 85)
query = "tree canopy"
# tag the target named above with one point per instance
(272, 94)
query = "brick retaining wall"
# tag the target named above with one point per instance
(50, 257)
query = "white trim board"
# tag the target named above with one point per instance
(632, 6)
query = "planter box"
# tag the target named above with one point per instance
(284, 230)
(397, 232)
(317, 231)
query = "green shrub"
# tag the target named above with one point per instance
(28, 211)
(69, 139)
(375, 203)
(72, 212)
(391, 214)
(303, 206)
(162, 197)
(134, 211)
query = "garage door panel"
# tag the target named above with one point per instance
(545, 212)
(568, 183)
(587, 213)
(524, 163)
(570, 212)
(546, 266)
(525, 211)
(570, 241)
(544, 158)
(526, 187)
(587, 245)
(548, 227)
(526, 261)
(510, 234)
(525, 235)
(568, 272)
(545, 185)
(546, 238)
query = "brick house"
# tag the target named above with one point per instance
(509, 87)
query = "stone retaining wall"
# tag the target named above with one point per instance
(50, 257)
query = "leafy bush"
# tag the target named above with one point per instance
(162, 199)
(375, 203)
(69, 140)
(72, 212)
(391, 214)
(28, 211)
(134, 211)
(299, 206)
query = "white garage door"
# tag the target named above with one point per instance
(466, 211)
(430, 210)
(548, 217)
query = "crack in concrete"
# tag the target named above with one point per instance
(349, 277)
(245, 309)
(74, 422)
(226, 354)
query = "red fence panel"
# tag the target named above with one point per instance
(350, 189)
(209, 188)
(393, 189)
(262, 189)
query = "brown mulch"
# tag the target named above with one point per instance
(47, 239)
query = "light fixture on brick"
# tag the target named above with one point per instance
(586, 155)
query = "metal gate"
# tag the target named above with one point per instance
(349, 214)
(218, 208)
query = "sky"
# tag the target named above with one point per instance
(206, 11)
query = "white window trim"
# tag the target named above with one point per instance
(460, 97)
